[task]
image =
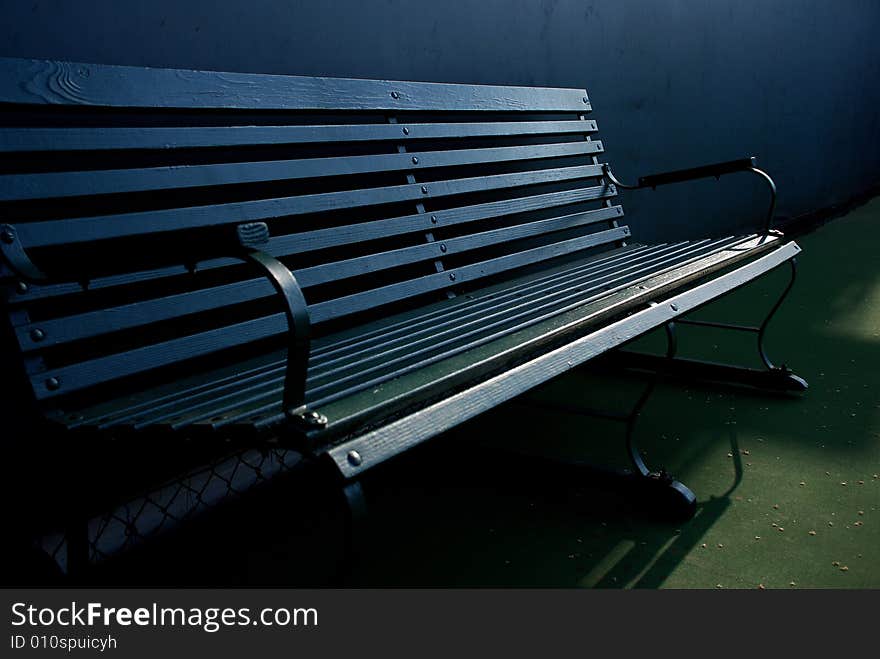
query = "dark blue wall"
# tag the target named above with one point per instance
(673, 83)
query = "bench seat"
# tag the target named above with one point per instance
(441, 346)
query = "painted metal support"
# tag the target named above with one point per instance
(770, 378)
(251, 236)
(706, 171)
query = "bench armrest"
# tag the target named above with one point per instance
(705, 171)
(251, 237)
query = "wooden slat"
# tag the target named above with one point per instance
(85, 325)
(391, 439)
(288, 245)
(103, 139)
(70, 231)
(70, 83)
(85, 374)
(547, 295)
(17, 187)
(449, 314)
(358, 374)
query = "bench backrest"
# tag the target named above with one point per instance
(125, 186)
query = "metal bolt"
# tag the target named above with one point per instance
(424, 189)
(355, 459)
(585, 99)
(442, 247)
(314, 418)
(53, 383)
(415, 160)
(452, 276)
(37, 334)
(405, 130)
(7, 236)
(433, 219)
(395, 95)
(674, 307)
(21, 287)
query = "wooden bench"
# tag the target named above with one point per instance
(344, 267)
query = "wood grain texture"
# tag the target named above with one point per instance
(110, 138)
(71, 83)
(18, 187)
(60, 232)
(282, 246)
(379, 445)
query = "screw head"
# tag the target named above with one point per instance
(585, 99)
(355, 459)
(424, 189)
(7, 236)
(53, 383)
(395, 95)
(442, 247)
(673, 306)
(315, 419)
(452, 276)
(21, 287)
(405, 130)
(37, 334)
(433, 219)
(415, 160)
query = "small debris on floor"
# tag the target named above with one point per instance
(792, 583)
(861, 512)
(761, 587)
(835, 563)
(843, 483)
(720, 546)
(843, 568)
(775, 506)
(757, 537)
(718, 585)
(780, 528)
(803, 484)
(704, 545)
(811, 532)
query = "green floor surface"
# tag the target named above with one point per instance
(804, 512)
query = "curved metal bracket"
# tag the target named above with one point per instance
(251, 236)
(16, 256)
(716, 171)
(632, 450)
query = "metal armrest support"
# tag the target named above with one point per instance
(251, 236)
(706, 171)
(17, 257)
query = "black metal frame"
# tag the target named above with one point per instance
(251, 236)
(679, 501)
(772, 378)
(716, 170)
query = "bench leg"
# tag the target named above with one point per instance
(657, 489)
(771, 378)
(662, 489)
(355, 517)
